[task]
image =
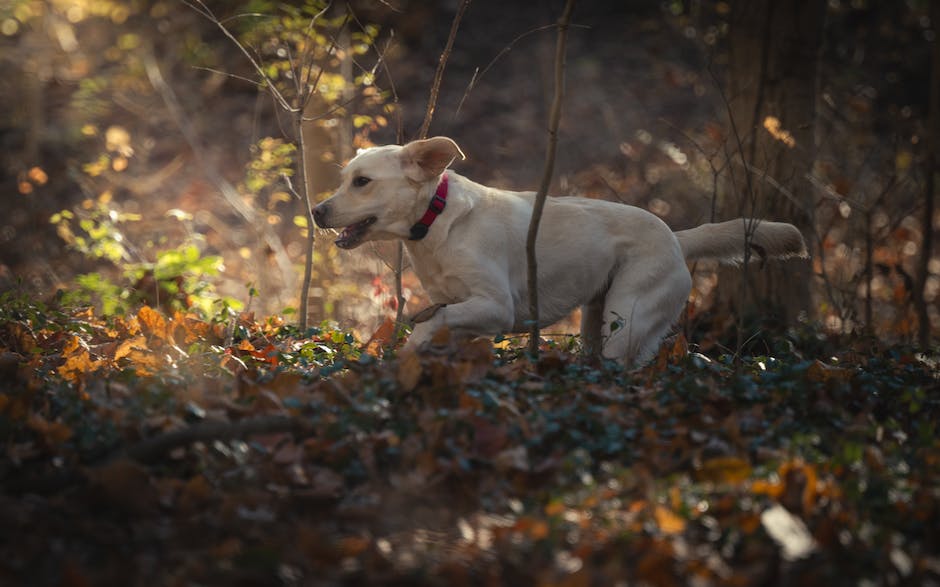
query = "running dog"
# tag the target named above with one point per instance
(621, 264)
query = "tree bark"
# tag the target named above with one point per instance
(771, 95)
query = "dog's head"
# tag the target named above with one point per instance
(385, 190)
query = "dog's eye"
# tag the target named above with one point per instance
(360, 181)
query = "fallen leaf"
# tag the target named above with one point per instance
(409, 370)
(724, 470)
(383, 336)
(152, 323)
(667, 521)
(822, 372)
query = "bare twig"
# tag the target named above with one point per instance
(399, 267)
(479, 73)
(228, 191)
(540, 197)
(439, 74)
(200, 7)
(422, 134)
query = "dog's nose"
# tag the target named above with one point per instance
(320, 213)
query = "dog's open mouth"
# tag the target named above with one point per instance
(352, 234)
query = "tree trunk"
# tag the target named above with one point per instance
(771, 95)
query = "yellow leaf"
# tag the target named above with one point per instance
(118, 140)
(903, 160)
(773, 125)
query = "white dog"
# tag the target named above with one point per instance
(623, 265)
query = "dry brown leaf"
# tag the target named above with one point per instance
(152, 323)
(383, 336)
(822, 372)
(409, 370)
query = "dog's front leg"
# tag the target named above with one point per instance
(475, 316)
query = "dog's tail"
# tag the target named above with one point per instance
(726, 241)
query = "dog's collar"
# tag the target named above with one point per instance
(420, 228)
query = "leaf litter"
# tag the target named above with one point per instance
(157, 450)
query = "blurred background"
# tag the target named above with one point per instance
(144, 160)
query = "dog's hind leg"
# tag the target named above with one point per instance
(639, 310)
(592, 320)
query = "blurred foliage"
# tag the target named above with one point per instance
(178, 278)
(868, 181)
(133, 170)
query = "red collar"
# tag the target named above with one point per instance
(420, 228)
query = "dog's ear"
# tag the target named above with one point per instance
(424, 160)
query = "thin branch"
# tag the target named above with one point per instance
(260, 70)
(308, 51)
(244, 15)
(228, 191)
(540, 197)
(230, 75)
(310, 87)
(399, 267)
(478, 74)
(445, 55)
(323, 115)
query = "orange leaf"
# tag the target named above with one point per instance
(539, 530)
(554, 508)
(128, 346)
(382, 337)
(152, 323)
(768, 488)
(38, 176)
(268, 354)
(667, 521)
(78, 361)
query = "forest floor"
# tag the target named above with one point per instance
(169, 450)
